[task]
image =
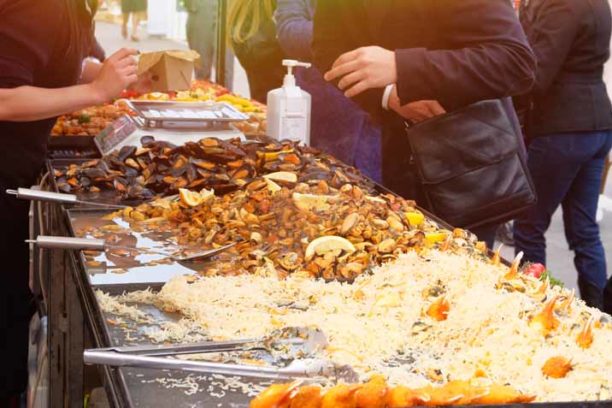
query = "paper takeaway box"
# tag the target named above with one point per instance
(168, 70)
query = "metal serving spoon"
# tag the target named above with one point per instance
(50, 242)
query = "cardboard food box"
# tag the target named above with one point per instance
(168, 70)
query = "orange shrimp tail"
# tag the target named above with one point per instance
(439, 309)
(496, 259)
(514, 269)
(585, 337)
(546, 320)
(557, 367)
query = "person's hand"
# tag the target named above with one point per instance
(415, 111)
(362, 69)
(144, 83)
(118, 72)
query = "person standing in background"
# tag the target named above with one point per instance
(252, 35)
(202, 33)
(339, 126)
(569, 127)
(413, 60)
(42, 75)
(137, 9)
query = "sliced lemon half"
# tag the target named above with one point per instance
(322, 245)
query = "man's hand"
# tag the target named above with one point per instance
(415, 111)
(118, 73)
(362, 69)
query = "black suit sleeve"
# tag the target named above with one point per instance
(551, 36)
(330, 42)
(486, 56)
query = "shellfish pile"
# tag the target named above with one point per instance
(161, 169)
(284, 226)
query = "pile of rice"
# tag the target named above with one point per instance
(378, 324)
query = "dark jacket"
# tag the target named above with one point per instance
(455, 51)
(571, 40)
(294, 26)
(262, 58)
(338, 125)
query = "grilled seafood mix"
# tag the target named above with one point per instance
(160, 168)
(285, 227)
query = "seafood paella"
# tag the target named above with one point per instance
(431, 328)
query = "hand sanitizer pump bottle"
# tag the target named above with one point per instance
(289, 109)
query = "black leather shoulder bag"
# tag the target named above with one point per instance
(472, 165)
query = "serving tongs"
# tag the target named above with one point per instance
(290, 341)
(60, 198)
(301, 343)
(307, 368)
(92, 244)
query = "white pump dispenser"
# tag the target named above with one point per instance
(289, 108)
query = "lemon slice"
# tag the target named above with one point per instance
(415, 218)
(193, 198)
(433, 238)
(282, 176)
(326, 244)
(308, 202)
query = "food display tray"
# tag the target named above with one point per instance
(133, 387)
(158, 113)
(136, 387)
(72, 147)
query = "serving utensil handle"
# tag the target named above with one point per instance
(39, 195)
(115, 359)
(193, 348)
(50, 242)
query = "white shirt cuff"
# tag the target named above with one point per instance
(387, 96)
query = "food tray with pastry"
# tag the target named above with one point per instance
(91, 121)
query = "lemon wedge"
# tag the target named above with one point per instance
(322, 245)
(193, 198)
(433, 238)
(415, 218)
(272, 186)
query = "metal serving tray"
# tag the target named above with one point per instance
(72, 147)
(133, 387)
(157, 113)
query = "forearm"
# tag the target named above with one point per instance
(28, 103)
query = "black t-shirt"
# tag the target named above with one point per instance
(34, 39)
